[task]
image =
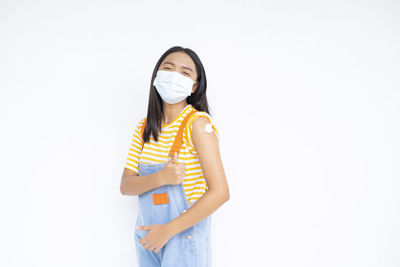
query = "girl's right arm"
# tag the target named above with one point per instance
(172, 173)
(133, 184)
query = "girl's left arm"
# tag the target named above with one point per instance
(207, 148)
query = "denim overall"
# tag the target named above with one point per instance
(189, 248)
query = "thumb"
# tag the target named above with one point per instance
(144, 227)
(174, 158)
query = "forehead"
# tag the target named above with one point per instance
(180, 59)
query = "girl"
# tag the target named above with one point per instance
(174, 166)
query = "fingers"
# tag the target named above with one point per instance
(144, 227)
(153, 248)
(144, 242)
(148, 246)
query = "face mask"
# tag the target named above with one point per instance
(172, 86)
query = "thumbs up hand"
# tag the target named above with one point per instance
(173, 172)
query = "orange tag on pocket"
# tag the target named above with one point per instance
(161, 198)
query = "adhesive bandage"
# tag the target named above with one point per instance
(208, 128)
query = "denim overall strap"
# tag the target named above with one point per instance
(189, 248)
(176, 145)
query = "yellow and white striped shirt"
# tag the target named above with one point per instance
(154, 152)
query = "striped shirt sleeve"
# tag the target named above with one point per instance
(135, 149)
(188, 129)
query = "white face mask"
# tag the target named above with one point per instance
(172, 86)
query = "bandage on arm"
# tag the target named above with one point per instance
(208, 128)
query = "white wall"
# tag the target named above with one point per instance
(305, 94)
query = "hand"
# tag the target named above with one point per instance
(156, 238)
(173, 172)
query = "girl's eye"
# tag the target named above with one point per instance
(186, 73)
(167, 68)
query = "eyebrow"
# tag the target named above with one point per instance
(183, 67)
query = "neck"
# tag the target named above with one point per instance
(171, 111)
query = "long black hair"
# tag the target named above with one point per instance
(198, 99)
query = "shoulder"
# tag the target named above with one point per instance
(139, 125)
(196, 128)
(140, 122)
(199, 117)
(201, 122)
(204, 136)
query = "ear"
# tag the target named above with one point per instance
(195, 87)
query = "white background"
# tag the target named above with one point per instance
(305, 95)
